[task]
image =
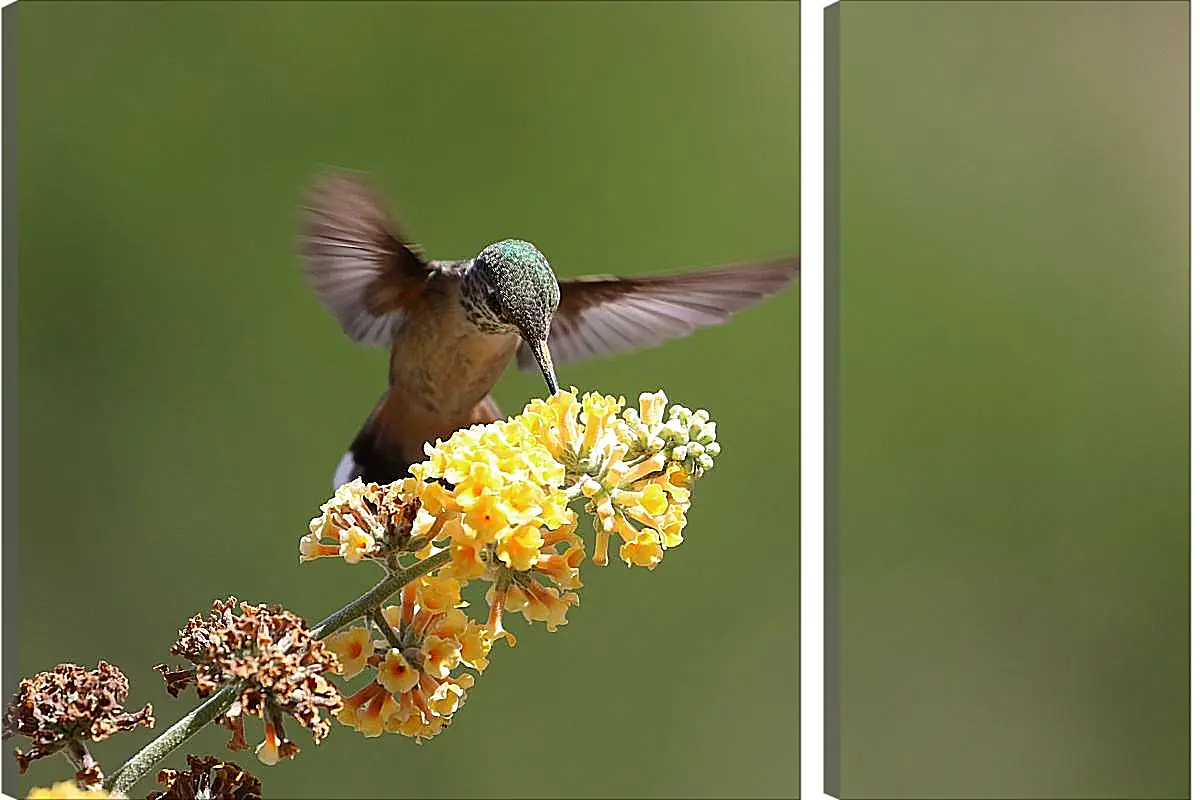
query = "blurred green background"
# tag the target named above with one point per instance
(1014, 400)
(183, 398)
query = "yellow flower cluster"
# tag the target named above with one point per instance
(496, 497)
(635, 468)
(507, 488)
(69, 790)
(412, 690)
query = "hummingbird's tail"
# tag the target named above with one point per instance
(394, 436)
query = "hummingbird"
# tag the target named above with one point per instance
(454, 326)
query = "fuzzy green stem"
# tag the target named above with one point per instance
(377, 594)
(190, 724)
(141, 762)
(377, 617)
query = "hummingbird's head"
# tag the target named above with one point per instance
(510, 287)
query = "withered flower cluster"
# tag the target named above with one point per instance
(269, 653)
(208, 778)
(370, 522)
(59, 708)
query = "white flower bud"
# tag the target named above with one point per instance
(674, 432)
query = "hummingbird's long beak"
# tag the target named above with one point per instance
(541, 354)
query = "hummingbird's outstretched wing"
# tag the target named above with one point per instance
(361, 270)
(603, 314)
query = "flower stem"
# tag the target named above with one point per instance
(77, 753)
(81, 759)
(389, 634)
(377, 594)
(141, 762)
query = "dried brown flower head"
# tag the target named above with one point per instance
(89, 773)
(208, 778)
(364, 520)
(269, 652)
(69, 703)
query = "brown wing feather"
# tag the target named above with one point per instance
(363, 273)
(603, 315)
